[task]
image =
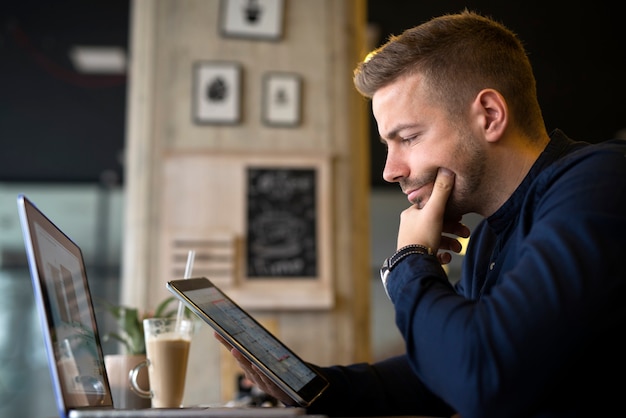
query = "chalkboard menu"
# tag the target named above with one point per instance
(282, 223)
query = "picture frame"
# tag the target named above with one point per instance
(282, 99)
(252, 19)
(217, 92)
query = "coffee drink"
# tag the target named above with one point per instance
(167, 351)
(167, 369)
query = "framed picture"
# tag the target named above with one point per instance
(282, 99)
(266, 234)
(217, 92)
(256, 19)
(282, 215)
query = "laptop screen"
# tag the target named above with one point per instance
(65, 308)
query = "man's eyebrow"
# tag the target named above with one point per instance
(395, 132)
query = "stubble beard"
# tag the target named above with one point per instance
(466, 188)
(466, 195)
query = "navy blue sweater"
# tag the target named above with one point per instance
(535, 326)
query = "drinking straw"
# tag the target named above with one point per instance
(190, 257)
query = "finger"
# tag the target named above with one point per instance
(456, 228)
(441, 191)
(243, 363)
(451, 244)
(266, 384)
(444, 258)
(222, 341)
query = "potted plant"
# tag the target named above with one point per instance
(131, 336)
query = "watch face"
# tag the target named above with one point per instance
(384, 272)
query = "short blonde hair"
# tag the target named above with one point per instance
(458, 55)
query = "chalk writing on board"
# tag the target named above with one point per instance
(282, 222)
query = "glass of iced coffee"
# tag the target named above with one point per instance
(167, 352)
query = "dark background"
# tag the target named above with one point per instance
(578, 53)
(57, 125)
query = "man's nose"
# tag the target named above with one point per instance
(395, 170)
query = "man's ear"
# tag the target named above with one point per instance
(491, 113)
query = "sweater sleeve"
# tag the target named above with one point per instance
(384, 388)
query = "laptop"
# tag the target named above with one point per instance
(68, 322)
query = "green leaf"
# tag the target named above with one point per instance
(119, 338)
(159, 313)
(131, 327)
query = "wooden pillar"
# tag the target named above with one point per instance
(321, 41)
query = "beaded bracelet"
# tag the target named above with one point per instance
(391, 262)
(404, 251)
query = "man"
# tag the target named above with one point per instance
(533, 328)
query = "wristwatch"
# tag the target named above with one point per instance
(391, 262)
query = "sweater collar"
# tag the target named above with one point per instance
(558, 146)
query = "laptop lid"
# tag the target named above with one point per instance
(66, 313)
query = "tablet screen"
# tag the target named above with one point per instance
(284, 367)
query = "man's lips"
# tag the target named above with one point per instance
(420, 194)
(412, 195)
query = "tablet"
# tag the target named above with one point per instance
(295, 377)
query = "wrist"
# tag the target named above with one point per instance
(402, 252)
(391, 262)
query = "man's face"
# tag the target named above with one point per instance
(420, 139)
